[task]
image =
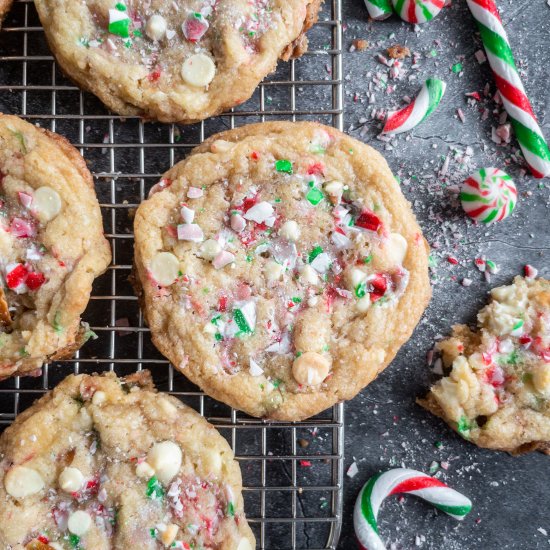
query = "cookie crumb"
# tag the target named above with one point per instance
(398, 52)
(360, 45)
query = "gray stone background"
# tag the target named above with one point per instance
(384, 427)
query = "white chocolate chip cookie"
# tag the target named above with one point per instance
(291, 279)
(174, 61)
(134, 469)
(51, 246)
(497, 394)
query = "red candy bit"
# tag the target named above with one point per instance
(24, 198)
(172, 231)
(154, 76)
(487, 358)
(43, 539)
(16, 276)
(22, 228)
(452, 260)
(194, 28)
(368, 220)
(249, 202)
(317, 168)
(525, 340)
(495, 376)
(255, 155)
(530, 272)
(222, 303)
(305, 463)
(35, 280)
(379, 285)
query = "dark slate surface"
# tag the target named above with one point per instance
(384, 427)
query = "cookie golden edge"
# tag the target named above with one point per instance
(5, 6)
(471, 340)
(179, 415)
(293, 50)
(409, 310)
(98, 257)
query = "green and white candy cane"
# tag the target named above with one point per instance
(419, 110)
(379, 9)
(418, 11)
(401, 481)
(501, 58)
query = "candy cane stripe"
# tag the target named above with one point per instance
(418, 11)
(415, 484)
(379, 9)
(515, 101)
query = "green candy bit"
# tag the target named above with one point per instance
(464, 427)
(154, 489)
(218, 337)
(74, 541)
(57, 326)
(518, 325)
(315, 196)
(21, 139)
(241, 321)
(119, 22)
(283, 165)
(153, 533)
(230, 509)
(368, 259)
(314, 253)
(432, 261)
(90, 334)
(361, 290)
(457, 68)
(296, 300)
(317, 149)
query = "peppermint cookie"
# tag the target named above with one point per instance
(280, 267)
(102, 462)
(51, 246)
(174, 61)
(497, 394)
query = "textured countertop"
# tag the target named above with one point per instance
(384, 426)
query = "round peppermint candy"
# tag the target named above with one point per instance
(489, 195)
(418, 11)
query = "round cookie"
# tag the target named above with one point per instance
(174, 61)
(102, 462)
(497, 394)
(51, 246)
(280, 267)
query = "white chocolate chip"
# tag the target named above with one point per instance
(71, 480)
(212, 462)
(168, 408)
(46, 203)
(209, 249)
(290, 230)
(541, 379)
(310, 369)
(166, 459)
(79, 523)
(165, 268)
(144, 470)
(363, 304)
(21, 482)
(210, 328)
(244, 544)
(221, 146)
(198, 70)
(334, 189)
(273, 271)
(155, 28)
(396, 248)
(99, 398)
(169, 534)
(308, 275)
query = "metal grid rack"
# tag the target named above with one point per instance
(292, 472)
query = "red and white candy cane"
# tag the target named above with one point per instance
(515, 101)
(401, 481)
(420, 109)
(379, 9)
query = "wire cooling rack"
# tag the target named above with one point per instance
(292, 472)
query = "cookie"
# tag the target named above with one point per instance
(102, 462)
(51, 246)
(174, 61)
(497, 394)
(5, 6)
(280, 268)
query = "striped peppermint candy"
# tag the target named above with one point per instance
(419, 110)
(418, 11)
(401, 481)
(500, 56)
(379, 9)
(489, 195)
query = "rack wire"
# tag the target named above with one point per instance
(292, 472)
